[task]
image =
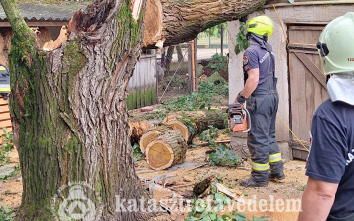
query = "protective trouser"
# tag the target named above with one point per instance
(262, 144)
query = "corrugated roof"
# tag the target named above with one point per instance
(45, 12)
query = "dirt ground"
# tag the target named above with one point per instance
(11, 188)
(196, 167)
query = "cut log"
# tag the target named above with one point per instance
(167, 149)
(150, 134)
(137, 129)
(181, 127)
(194, 122)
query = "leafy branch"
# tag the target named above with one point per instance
(242, 42)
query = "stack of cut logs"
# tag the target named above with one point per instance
(165, 143)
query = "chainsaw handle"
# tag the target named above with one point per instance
(249, 118)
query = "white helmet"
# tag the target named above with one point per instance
(336, 45)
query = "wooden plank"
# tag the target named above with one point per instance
(315, 71)
(310, 107)
(4, 109)
(309, 3)
(303, 51)
(296, 22)
(6, 124)
(293, 72)
(4, 102)
(317, 85)
(301, 91)
(304, 27)
(5, 116)
(299, 154)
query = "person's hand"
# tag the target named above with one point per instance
(240, 99)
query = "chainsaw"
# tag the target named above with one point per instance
(238, 117)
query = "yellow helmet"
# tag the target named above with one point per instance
(261, 25)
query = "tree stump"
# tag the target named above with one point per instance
(167, 149)
(194, 122)
(150, 135)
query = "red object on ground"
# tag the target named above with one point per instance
(147, 108)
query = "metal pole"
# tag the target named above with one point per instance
(222, 38)
(190, 68)
(194, 65)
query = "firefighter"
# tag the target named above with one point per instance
(330, 187)
(262, 103)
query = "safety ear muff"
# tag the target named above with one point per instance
(323, 48)
(265, 37)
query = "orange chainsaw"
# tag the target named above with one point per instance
(238, 118)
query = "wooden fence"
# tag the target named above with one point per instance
(142, 87)
(5, 120)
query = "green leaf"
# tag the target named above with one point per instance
(240, 217)
(259, 219)
(207, 218)
(219, 180)
(213, 217)
(227, 200)
(291, 1)
(237, 49)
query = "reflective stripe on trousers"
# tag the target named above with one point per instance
(274, 158)
(260, 166)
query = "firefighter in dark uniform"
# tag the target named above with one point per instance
(329, 193)
(262, 103)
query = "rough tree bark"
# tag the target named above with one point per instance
(176, 21)
(68, 106)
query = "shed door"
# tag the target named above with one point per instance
(307, 83)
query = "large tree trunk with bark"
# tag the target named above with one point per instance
(69, 113)
(68, 108)
(170, 22)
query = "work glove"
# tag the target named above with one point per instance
(240, 99)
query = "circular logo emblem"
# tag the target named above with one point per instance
(78, 204)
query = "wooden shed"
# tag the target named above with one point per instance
(301, 84)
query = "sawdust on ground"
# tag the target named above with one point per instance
(195, 166)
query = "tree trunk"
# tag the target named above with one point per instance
(167, 149)
(70, 117)
(179, 53)
(192, 123)
(170, 22)
(68, 108)
(168, 59)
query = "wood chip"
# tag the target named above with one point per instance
(188, 179)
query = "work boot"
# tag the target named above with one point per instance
(276, 176)
(251, 182)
